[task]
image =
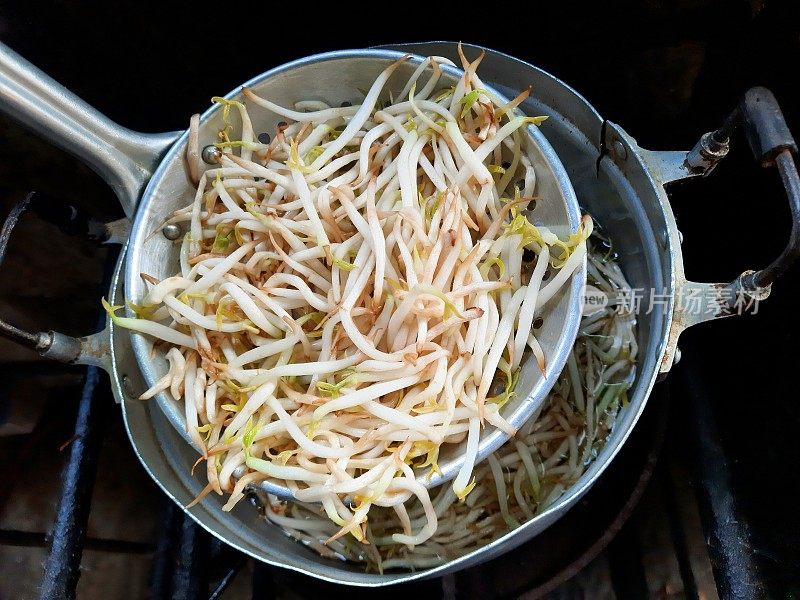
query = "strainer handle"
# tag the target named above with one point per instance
(125, 159)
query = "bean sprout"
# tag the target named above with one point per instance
(348, 295)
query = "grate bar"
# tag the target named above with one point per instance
(62, 566)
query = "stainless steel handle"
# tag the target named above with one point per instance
(773, 146)
(125, 159)
(689, 302)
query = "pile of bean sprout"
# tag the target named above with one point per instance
(350, 292)
(528, 473)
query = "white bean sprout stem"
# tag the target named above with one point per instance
(349, 293)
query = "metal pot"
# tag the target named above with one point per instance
(619, 183)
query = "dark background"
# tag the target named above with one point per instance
(666, 71)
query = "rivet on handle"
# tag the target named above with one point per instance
(211, 155)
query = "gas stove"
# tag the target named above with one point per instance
(694, 506)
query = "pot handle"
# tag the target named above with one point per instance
(773, 146)
(89, 350)
(125, 159)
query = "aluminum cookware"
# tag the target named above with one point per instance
(622, 185)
